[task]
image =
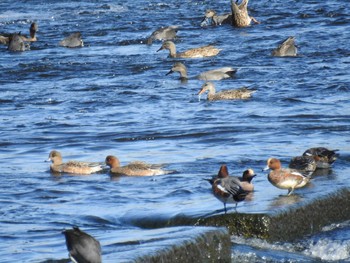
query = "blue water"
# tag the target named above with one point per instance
(112, 97)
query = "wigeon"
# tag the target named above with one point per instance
(136, 168)
(163, 33)
(215, 74)
(16, 44)
(227, 188)
(233, 94)
(304, 164)
(72, 41)
(240, 17)
(246, 180)
(286, 49)
(72, 167)
(211, 18)
(324, 158)
(200, 52)
(82, 247)
(285, 178)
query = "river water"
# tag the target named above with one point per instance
(112, 97)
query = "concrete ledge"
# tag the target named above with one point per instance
(213, 245)
(283, 225)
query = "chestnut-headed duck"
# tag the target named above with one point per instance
(227, 188)
(163, 33)
(304, 164)
(246, 180)
(72, 167)
(5, 40)
(200, 52)
(215, 74)
(211, 18)
(72, 41)
(285, 178)
(233, 94)
(136, 168)
(240, 17)
(324, 158)
(286, 49)
(82, 247)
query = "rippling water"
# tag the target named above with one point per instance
(112, 97)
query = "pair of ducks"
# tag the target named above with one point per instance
(235, 189)
(136, 168)
(238, 17)
(17, 42)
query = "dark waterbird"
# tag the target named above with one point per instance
(324, 158)
(82, 247)
(227, 188)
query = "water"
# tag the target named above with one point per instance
(112, 97)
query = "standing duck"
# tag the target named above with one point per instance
(240, 17)
(215, 74)
(324, 158)
(233, 94)
(163, 33)
(82, 247)
(227, 188)
(286, 49)
(134, 168)
(200, 52)
(284, 178)
(72, 167)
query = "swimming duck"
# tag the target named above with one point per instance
(5, 40)
(233, 94)
(227, 188)
(73, 40)
(163, 33)
(285, 178)
(82, 247)
(72, 167)
(286, 49)
(240, 17)
(246, 180)
(16, 43)
(200, 52)
(324, 158)
(304, 164)
(134, 168)
(212, 18)
(215, 74)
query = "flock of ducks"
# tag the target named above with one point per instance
(84, 248)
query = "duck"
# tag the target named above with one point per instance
(246, 180)
(5, 40)
(72, 41)
(285, 178)
(215, 74)
(72, 167)
(240, 17)
(233, 94)
(200, 52)
(286, 49)
(211, 18)
(82, 247)
(304, 164)
(136, 168)
(227, 188)
(163, 33)
(16, 44)
(324, 157)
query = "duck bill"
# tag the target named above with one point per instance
(48, 160)
(161, 48)
(201, 92)
(266, 168)
(170, 72)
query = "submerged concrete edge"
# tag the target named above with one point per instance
(213, 245)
